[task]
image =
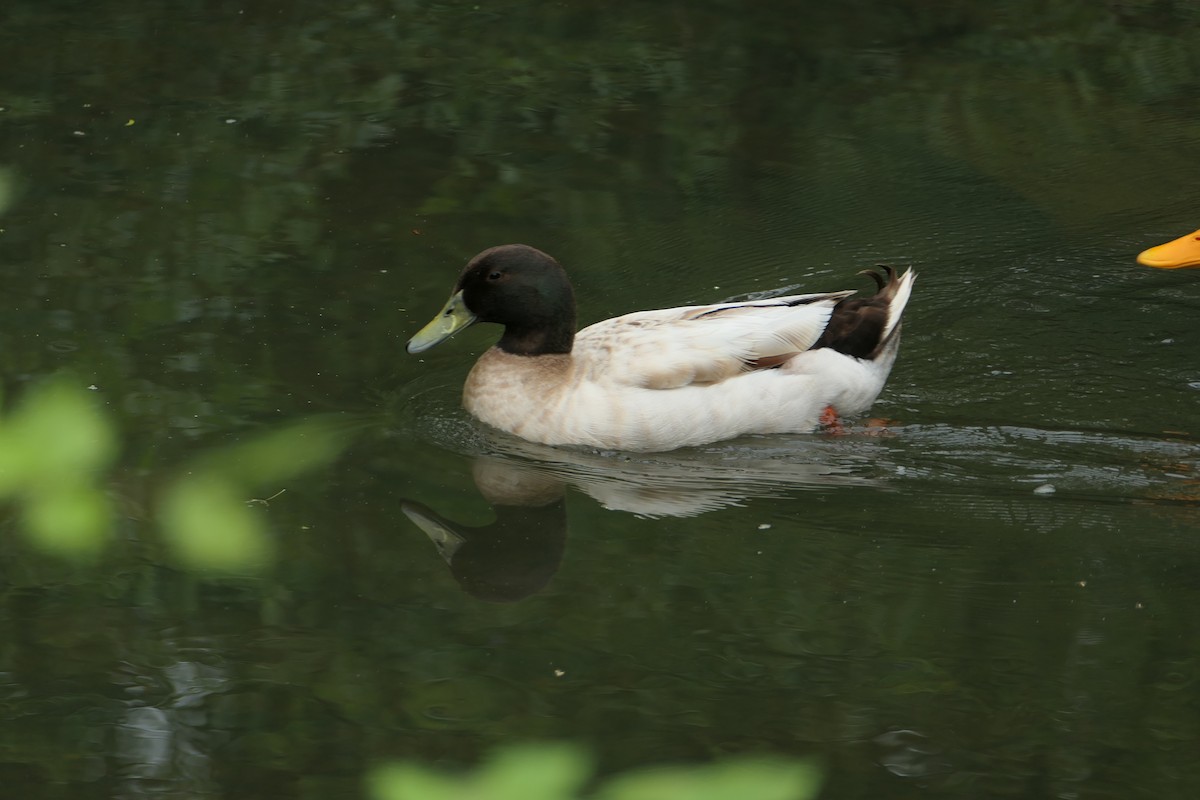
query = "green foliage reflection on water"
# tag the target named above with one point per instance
(57, 446)
(560, 772)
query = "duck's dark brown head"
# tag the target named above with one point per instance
(516, 286)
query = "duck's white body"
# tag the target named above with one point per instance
(659, 380)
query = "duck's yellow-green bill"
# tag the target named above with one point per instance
(453, 317)
(1182, 252)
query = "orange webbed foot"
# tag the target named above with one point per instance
(831, 423)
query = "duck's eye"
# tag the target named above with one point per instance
(495, 276)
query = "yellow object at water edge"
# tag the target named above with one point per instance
(1182, 252)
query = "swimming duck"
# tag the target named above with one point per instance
(675, 377)
(1181, 252)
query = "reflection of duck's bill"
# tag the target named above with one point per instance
(1182, 252)
(444, 538)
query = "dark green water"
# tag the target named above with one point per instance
(226, 218)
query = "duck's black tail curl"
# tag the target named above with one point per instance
(861, 327)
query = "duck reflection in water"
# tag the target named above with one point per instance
(516, 555)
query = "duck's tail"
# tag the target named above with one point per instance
(865, 327)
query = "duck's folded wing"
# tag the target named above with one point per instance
(674, 347)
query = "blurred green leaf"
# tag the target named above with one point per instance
(207, 520)
(205, 515)
(69, 520)
(527, 772)
(12, 462)
(57, 442)
(57, 431)
(53, 447)
(534, 772)
(7, 188)
(742, 779)
(559, 772)
(278, 455)
(413, 782)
